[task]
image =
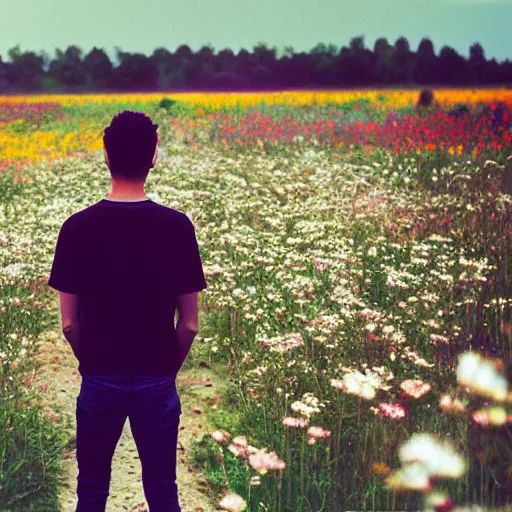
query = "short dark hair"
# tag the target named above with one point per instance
(130, 142)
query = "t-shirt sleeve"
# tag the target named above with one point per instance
(65, 275)
(190, 276)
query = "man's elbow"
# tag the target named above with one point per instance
(67, 328)
(188, 326)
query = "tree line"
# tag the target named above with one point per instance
(325, 66)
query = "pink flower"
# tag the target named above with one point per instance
(290, 421)
(220, 436)
(393, 411)
(315, 433)
(262, 461)
(239, 446)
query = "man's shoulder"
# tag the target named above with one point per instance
(85, 215)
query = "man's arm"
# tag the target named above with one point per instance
(70, 315)
(187, 325)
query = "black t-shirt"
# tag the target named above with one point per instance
(128, 261)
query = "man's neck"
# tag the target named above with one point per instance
(119, 197)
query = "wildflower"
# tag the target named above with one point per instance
(315, 433)
(381, 468)
(239, 446)
(308, 406)
(356, 383)
(415, 387)
(372, 251)
(255, 480)
(220, 436)
(449, 404)
(439, 459)
(289, 421)
(282, 343)
(393, 411)
(481, 376)
(438, 501)
(262, 461)
(412, 477)
(233, 503)
(335, 383)
(493, 416)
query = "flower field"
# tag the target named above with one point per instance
(358, 255)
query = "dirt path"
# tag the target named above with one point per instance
(60, 383)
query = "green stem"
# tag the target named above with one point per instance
(302, 486)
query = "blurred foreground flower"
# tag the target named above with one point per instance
(438, 458)
(490, 416)
(412, 477)
(438, 501)
(481, 376)
(233, 503)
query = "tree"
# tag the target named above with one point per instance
(206, 54)
(98, 67)
(225, 62)
(325, 71)
(321, 48)
(244, 62)
(167, 64)
(357, 44)
(183, 53)
(492, 73)
(287, 52)
(476, 63)
(46, 60)
(136, 72)
(356, 63)
(265, 56)
(68, 67)
(206, 62)
(25, 71)
(325, 65)
(297, 71)
(425, 66)
(4, 84)
(452, 67)
(402, 62)
(382, 54)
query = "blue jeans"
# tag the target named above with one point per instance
(153, 406)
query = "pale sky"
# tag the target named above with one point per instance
(143, 25)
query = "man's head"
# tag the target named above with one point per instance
(130, 146)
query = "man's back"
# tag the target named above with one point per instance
(129, 262)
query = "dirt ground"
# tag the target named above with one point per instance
(60, 384)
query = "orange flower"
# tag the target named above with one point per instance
(380, 468)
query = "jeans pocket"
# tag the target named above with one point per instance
(166, 382)
(170, 389)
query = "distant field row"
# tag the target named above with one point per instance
(388, 98)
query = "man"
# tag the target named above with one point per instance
(122, 267)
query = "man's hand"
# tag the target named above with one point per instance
(72, 335)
